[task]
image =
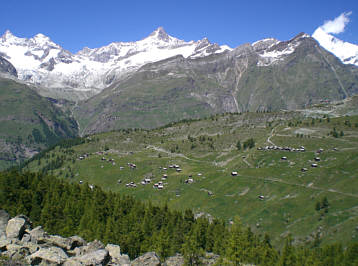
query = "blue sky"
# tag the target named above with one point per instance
(75, 24)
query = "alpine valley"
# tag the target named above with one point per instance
(267, 131)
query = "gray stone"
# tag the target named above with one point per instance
(37, 233)
(4, 243)
(177, 260)
(114, 250)
(97, 257)
(77, 241)
(148, 259)
(123, 260)
(91, 246)
(26, 238)
(55, 240)
(33, 247)
(116, 257)
(16, 252)
(4, 218)
(15, 228)
(51, 255)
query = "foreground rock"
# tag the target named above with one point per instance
(148, 259)
(4, 218)
(51, 255)
(16, 227)
(22, 245)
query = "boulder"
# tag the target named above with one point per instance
(177, 260)
(37, 233)
(26, 238)
(77, 241)
(51, 255)
(58, 241)
(113, 250)
(16, 252)
(16, 226)
(72, 262)
(4, 243)
(97, 257)
(116, 257)
(148, 259)
(4, 218)
(33, 247)
(123, 260)
(91, 246)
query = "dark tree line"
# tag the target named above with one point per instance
(68, 209)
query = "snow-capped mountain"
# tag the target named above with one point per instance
(271, 51)
(40, 61)
(345, 51)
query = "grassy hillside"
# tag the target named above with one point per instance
(270, 193)
(29, 123)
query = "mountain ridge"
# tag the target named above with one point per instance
(80, 75)
(269, 75)
(40, 61)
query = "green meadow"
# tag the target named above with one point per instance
(270, 193)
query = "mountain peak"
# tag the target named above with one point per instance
(41, 39)
(160, 34)
(345, 51)
(7, 35)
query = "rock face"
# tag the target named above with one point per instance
(97, 257)
(4, 218)
(51, 255)
(148, 259)
(7, 68)
(16, 227)
(22, 245)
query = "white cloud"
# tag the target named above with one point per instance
(338, 24)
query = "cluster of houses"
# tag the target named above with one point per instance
(159, 185)
(278, 148)
(132, 165)
(83, 156)
(316, 160)
(189, 180)
(108, 160)
(175, 166)
(131, 184)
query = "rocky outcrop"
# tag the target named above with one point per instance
(51, 255)
(16, 227)
(22, 245)
(7, 67)
(4, 218)
(148, 259)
